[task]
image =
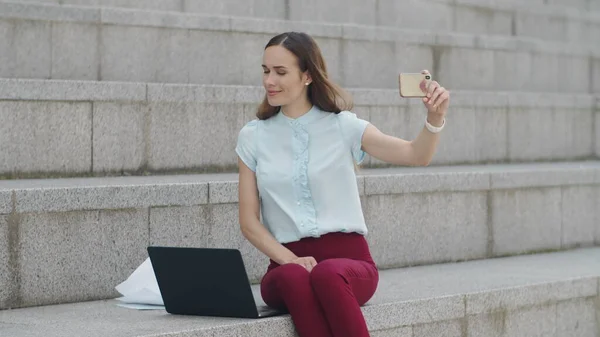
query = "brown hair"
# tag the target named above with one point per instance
(322, 92)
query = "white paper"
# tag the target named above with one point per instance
(141, 306)
(141, 288)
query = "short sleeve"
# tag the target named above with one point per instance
(246, 144)
(353, 129)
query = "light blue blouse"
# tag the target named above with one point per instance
(305, 172)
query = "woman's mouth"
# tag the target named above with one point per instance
(273, 92)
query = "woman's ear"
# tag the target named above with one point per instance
(306, 78)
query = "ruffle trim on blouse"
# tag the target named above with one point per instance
(306, 210)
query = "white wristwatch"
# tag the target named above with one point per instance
(434, 129)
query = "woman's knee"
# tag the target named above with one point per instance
(282, 283)
(286, 276)
(332, 276)
(327, 273)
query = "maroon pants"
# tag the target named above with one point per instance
(325, 302)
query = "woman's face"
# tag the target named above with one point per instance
(282, 79)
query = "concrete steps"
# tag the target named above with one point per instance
(73, 128)
(112, 44)
(538, 295)
(557, 20)
(71, 240)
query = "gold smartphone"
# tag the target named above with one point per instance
(410, 84)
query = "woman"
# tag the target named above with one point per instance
(296, 165)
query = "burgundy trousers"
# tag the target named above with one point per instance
(325, 302)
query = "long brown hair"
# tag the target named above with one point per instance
(322, 92)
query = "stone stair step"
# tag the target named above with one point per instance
(116, 44)
(556, 20)
(58, 128)
(70, 240)
(536, 295)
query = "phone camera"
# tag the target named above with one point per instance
(427, 77)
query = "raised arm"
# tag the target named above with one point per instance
(419, 151)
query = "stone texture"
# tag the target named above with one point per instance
(180, 226)
(408, 14)
(554, 67)
(576, 318)
(273, 27)
(579, 4)
(119, 131)
(65, 257)
(444, 328)
(466, 69)
(165, 20)
(366, 64)
(482, 20)
(516, 70)
(549, 134)
(144, 54)
(43, 12)
(579, 215)
(6, 271)
(525, 220)
(110, 196)
(252, 8)
(546, 73)
(579, 70)
(49, 90)
(510, 299)
(415, 182)
(75, 51)
(6, 205)
(223, 192)
(395, 332)
(595, 85)
(597, 130)
(48, 137)
(486, 325)
(208, 63)
(486, 141)
(540, 26)
(427, 228)
(186, 136)
(413, 312)
(544, 175)
(161, 5)
(537, 321)
(30, 53)
(582, 30)
(362, 12)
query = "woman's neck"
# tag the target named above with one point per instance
(296, 109)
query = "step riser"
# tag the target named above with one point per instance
(63, 245)
(124, 48)
(577, 318)
(475, 17)
(80, 128)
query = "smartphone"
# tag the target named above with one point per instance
(410, 84)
